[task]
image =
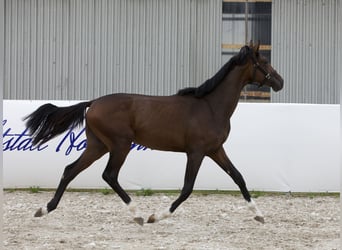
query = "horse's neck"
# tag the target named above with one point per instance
(225, 97)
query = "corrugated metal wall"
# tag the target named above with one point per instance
(82, 49)
(304, 50)
(339, 54)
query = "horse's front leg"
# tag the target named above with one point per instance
(223, 161)
(192, 167)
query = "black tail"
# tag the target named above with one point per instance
(49, 120)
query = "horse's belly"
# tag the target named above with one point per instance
(165, 141)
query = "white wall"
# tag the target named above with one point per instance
(277, 147)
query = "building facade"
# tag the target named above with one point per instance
(75, 50)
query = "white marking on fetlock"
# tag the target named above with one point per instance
(163, 215)
(253, 207)
(44, 211)
(132, 207)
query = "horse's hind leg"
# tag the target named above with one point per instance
(95, 149)
(116, 159)
(223, 161)
(192, 167)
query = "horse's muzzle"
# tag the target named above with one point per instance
(277, 83)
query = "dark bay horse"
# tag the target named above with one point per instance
(194, 121)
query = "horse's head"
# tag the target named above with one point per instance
(260, 70)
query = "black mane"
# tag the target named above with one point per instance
(210, 84)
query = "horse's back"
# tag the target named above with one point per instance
(155, 121)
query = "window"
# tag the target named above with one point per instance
(242, 22)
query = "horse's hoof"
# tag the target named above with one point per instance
(39, 213)
(139, 220)
(260, 219)
(151, 219)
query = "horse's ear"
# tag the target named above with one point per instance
(251, 44)
(244, 50)
(256, 47)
